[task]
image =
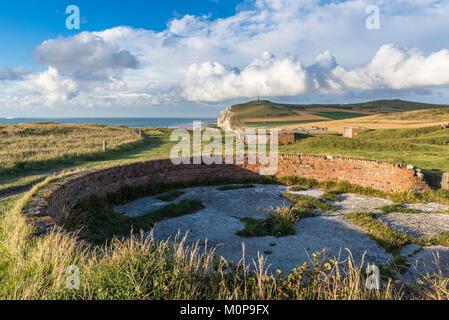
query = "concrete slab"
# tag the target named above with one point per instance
(357, 203)
(417, 225)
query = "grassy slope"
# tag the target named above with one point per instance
(155, 144)
(395, 120)
(376, 115)
(427, 148)
(38, 146)
(263, 109)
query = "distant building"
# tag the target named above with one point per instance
(352, 132)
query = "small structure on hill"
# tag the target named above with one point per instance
(352, 132)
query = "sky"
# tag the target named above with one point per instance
(178, 58)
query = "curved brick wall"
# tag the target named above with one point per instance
(49, 205)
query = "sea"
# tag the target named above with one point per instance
(125, 122)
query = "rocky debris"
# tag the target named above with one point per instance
(417, 225)
(420, 175)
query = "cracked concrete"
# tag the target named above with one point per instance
(417, 225)
(426, 261)
(221, 219)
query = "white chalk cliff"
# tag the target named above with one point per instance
(227, 120)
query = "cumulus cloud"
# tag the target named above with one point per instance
(397, 68)
(55, 87)
(391, 68)
(268, 76)
(201, 58)
(85, 56)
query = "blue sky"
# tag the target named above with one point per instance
(24, 24)
(192, 58)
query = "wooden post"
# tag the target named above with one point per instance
(105, 145)
(445, 181)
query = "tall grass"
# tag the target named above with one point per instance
(33, 146)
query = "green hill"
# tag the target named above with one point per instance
(266, 113)
(267, 108)
(263, 108)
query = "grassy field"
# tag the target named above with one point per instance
(427, 148)
(274, 124)
(395, 120)
(340, 115)
(128, 147)
(43, 146)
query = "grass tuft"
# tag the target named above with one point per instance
(280, 223)
(397, 208)
(388, 238)
(330, 196)
(308, 204)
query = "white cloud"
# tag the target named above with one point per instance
(267, 76)
(85, 56)
(54, 87)
(191, 58)
(397, 68)
(391, 68)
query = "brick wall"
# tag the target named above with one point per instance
(286, 138)
(53, 201)
(379, 175)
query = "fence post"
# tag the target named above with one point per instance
(445, 181)
(105, 145)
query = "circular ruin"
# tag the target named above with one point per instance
(225, 210)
